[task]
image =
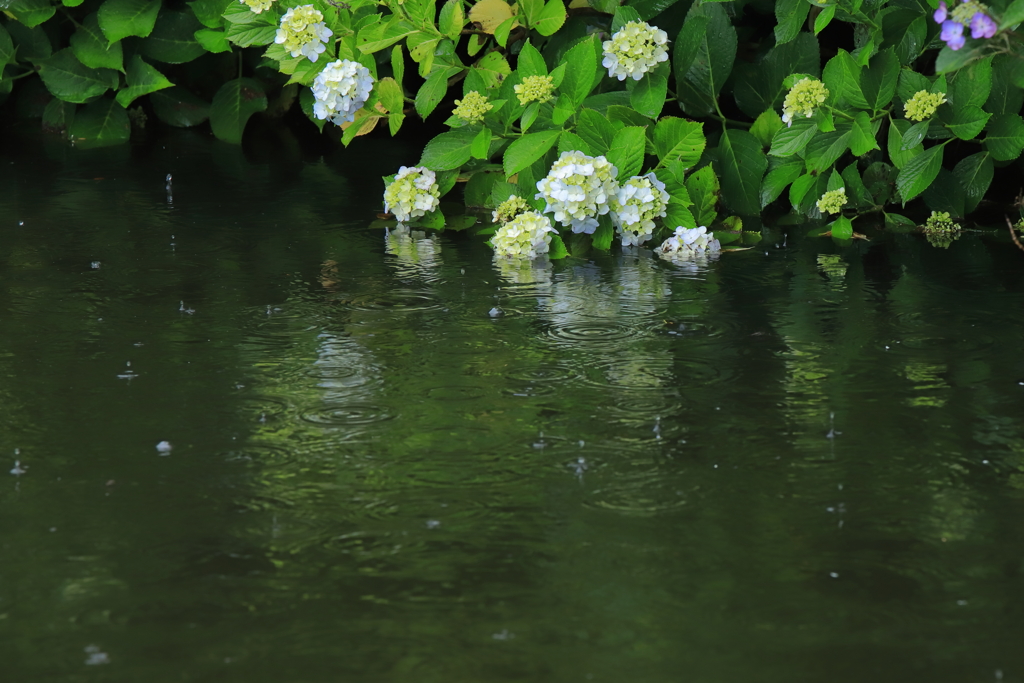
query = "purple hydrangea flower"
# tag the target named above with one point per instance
(940, 14)
(982, 26)
(953, 34)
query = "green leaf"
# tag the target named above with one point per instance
(622, 16)
(306, 104)
(918, 173)
(910, 82)
(100, 124)
(390, 94)
(647, 95)
(31, 44)
(452, 19)
(975, 175)
(91, 47)
(449, 150)
(31, 13)
(569, 142)
(968, 122)
(234, 103)
(68, 79)
(946, 194)
(1006, 97)
(951, 60)
(826, 148)
(803, 193)
(58, 116)
(173, 38)
(794, 139)
(1012, 15)
(557, 250)
(716, 52)
(551, 19)
(880, 179)
(122, 18)
(781, 172)
(528, 149)
(492, 69)
(679, 139)
(897, 223)
(824, 18)
(765, 126)
(209, 12)
(855, 188)
(596, 130)
(971, 85)
(180, 108)
(878, 79)
(743, 164)
(1004, 138)
(530, 62)
(897, 130)
(762, 86)
(914, 135)
(704, 190)
(142, 79)
(246, 35)
(6, 49)
(431, 92)
(791, 16)
(862, 136)
(580, 69)
(842, 77)
(481, 144)
(842, 228)
(604, 235)
(688, 44)
(627, 151)
(504, 29)
(213, 40)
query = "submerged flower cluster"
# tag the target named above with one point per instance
(472, 107)
(303, 32)
(258, 6)
(638, 202)
(803, 98)
(687, 243)
(578, 188)
(535, 89)
(953, 21)
(413, 193)
(923, 104)
(527, 236)
(510, 209)
(340, 90)
(940, 221)
(634, 50)
(832, 201)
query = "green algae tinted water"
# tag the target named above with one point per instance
(802, 462)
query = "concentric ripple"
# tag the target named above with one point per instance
(347, 414)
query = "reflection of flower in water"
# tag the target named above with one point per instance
(524, 271)
(414, 249)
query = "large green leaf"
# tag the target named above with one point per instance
(234, 103)
(452, 19)
(551, 18)
(627, 151)
(742, 163)
(58, 116)
(968, 122)
(716, 52)
(122, 18)
(761, 86)
(862, 136)
(142, 79)
(209, 12)
(431, 92)
(826, 148)
(6, 48)
(704, 191)
(528, 149)
(781, 172)
(31, 12)
(679, 139)
(213, 40)
(975, 175)
(790, 15)
(946, 194)
(580, 69)
(918, 173)
(898, 132)
(180, 108)
(596, 130)
(687, 44)
(449, 150)
(647, 95)
(31, 44)
(570, 142)
(1005, 136)
(856, 191)
(971, 85)
(1005, 97)
(173, 39)
(842, 78)
(530, 62)
(91, 46)
(765, 126)
(878, 79)
(794, 138)
(68, 79)
(100, 124)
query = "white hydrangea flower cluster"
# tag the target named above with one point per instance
(527, 236)
(687, 243)
(341, 90)
(578, 188)
(413, 193)
(258, 6)
(639, 201)
(303, 32)
(634, 50)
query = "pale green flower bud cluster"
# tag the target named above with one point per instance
(413, 193)
(638, 202)
(510, 209)
(634, 50)
(472, 107)
(340, 90)
(688, 243)
(803, 98)
(965, 11)
(258, 6)
(577, 189)
(923, 104)
(526, 236)
(535, 89)
(940, 221)
(303, 32)
(832, 201)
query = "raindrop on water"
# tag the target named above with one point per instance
(164, 448)
(495, 312)
(18, 470)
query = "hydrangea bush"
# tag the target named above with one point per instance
(612, 118)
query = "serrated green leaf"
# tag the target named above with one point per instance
(180, 108)
(451, 19)
(763, 85)
(971, 85)
(627, 151)
(1004, 138)
(235, 102)
(604, 235)
(975, 175)
(878, 80)
(390, 94)
(570, 142)
(492, 69)
(31, 13)
(793, 139)
(100, 124)
(791, 16)
(433, 90)
(781, 173)
(31, 44)
(596, 130)
(910, 82)
(142, 79)
(530, 62)
(68, 79)
(946, 194)
(842, 228)
(743, 164)
(765, 126)
(687, 45)
(842, 78)
(213, 40)
(914, 135)
(527, 150)
(247, 35)
(557, 250)
(551, 19)
(1005, 97)
(1012, 15)
(580, 68)
(951, 60)
(91, 48)
(209, 12)
(704, 191)
(856, 191)
(824, 18)
(862, 135)
(481, 144)
(899, 156)
(58, 116)
(679, 139)
(716, 53)
(968, 122)
(123, 18)
(173, 38)
(918, 173)
(826, 148)
(450, 150)
(647, 95)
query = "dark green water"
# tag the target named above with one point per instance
(628, 476)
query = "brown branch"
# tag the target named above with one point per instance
(1013, 235)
